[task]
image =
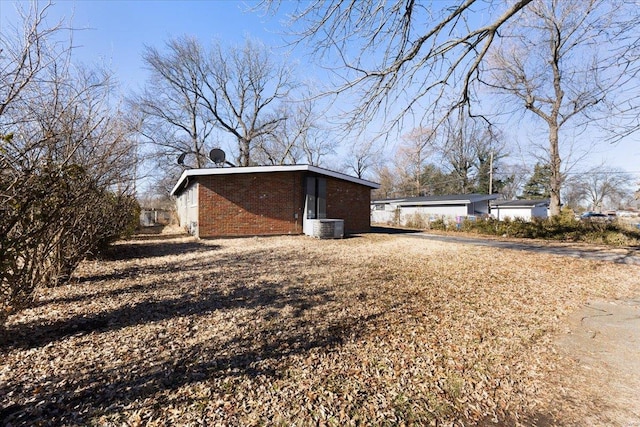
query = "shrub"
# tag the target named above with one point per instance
(417, 220)
(561, 227)
(51, 218)
(438, 224)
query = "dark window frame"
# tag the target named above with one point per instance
(316, 197)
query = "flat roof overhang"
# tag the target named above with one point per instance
(184, 178)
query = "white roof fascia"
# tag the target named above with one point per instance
(435, 202)
(387, 202)
(441, 202)
(179, 183)
(532, 205)
(409, 202)
(266, 169)
(342, 176)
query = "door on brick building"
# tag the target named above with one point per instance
(315, 203)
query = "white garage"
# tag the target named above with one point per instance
(404, 211)
(525, 209)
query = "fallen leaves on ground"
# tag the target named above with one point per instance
(371, 330)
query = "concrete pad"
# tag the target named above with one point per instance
(603, 338)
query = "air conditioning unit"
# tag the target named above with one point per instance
(327, 228)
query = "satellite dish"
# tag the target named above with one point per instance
(217, 156)
(181, 158)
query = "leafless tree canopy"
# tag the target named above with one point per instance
(172, 116)
(300, 138)
(362, 157)
(553, 65)
(411, 63)
(462, 156)
(468, 149)
(601, 187)
(403, 57)
(195, 91)
(411, 156)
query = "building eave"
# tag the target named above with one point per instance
(520, 204)
(415, 201)
(192, 173)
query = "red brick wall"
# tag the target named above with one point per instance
(351, 202)
(267, 204)
(250, 204)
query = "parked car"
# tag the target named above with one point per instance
(595, 216)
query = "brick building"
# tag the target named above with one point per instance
(270, 200)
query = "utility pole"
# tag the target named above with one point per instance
(491, 173)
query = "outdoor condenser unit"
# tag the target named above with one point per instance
(328, 228)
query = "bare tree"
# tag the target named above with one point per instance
(25, 51)
(551, 65)
(284, 144)
(513, 177)
(574, 192)
(438, 182)
(468, 149)
(317, 145)
(66, 162)
(402, 57)
(388, 182)
(170, 110)
(458, 150)
(406, 60)
(605, 187)
(362, 156)
(411, 156)
(242, 88)
(192, 91)
(298, 138)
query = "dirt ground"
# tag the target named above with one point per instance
(371, 330)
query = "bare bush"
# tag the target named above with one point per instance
(66, 162)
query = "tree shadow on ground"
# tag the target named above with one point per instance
(207, 298)
(392, 230)
(78, 396)
(34, 335)
(158, 232)
(83, 396)
(160, 248)
(131, 252)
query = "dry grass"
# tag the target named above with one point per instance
(375, 330)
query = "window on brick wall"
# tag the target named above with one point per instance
(316, 200)
(191, 196)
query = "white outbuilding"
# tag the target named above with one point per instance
(412, 210)
(525, 209)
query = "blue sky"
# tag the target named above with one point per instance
(114, 33)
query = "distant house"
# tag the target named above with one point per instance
(272, 200)
(525, 209)
(402, 211)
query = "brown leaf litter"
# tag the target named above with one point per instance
(371, 330)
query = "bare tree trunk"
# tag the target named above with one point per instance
(244, 159)
(555, 43)
(556, 176)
